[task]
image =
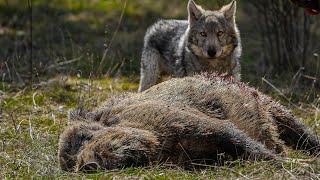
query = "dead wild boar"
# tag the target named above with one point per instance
(202, 119)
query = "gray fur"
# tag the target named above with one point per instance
(176, 48)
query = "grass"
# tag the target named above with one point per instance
(32, 120)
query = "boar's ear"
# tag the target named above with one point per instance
(229, 11)
(194, 11)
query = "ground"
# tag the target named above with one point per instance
(33, 118)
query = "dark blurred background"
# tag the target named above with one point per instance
(41, 39)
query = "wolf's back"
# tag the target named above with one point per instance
(165, 35)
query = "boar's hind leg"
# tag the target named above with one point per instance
(238, 144)
(295, 133)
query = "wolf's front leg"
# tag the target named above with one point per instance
(149, 70)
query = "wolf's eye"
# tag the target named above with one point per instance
(203, 34)
(220, 33)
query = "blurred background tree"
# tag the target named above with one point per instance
(69, 37)
(288, 37)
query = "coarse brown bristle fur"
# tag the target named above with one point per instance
(183, 120)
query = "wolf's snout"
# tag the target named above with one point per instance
(211, 52)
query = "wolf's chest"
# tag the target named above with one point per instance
(219, 66)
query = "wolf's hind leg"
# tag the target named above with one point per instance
(150, 69)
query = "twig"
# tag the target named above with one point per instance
(8, 69)
(284, 96)
(19, 78)
(288, 171)
(79, 75)
(203, 165)
(316, 57)
(111, 88)
(310, 77)
(20, 92)
(3, 87)
(30, 41)
(185, 152)
(33, 99)
(316, 113)
(303, 162)
(112, 39)
(296, 77)
(59, 129)
(14, 124)
(30, 127)
(65, 62)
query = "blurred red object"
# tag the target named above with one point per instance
(311, 11)
(311, 7)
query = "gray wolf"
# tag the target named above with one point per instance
(182, 120)
(208, 41)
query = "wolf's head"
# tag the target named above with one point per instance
(212, 34)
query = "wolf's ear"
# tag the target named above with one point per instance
(229, 11)
(194, 11)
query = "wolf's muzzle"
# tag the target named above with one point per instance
(211, 52)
